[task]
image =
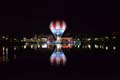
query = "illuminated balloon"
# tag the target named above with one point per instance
(57, 27)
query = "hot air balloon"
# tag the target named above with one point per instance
(57, 27)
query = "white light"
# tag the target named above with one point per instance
(96, 46)
(31, 46)
(78, 46)
(89, 46)
(38, 46)
(59, 46)
(75, 45)
(3, 37)
(106, 47)
(114, 47)
(6, 52)
(3, 48)
(24, 39)
(26, 43)
(96, 38)
(107, 37)
(6, 38)
(25, 46)
(38, 39)
(58, 38)
(89, 39)
(44, 45)
(114, 37)
(14, 48)
(68, 45)
(6, 49)
(3, 53)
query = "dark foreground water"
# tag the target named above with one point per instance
(18, 63)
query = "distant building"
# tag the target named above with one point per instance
(66, 39)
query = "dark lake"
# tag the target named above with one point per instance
(84, 62)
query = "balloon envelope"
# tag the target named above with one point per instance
(58, 27)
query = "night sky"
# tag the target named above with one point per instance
(80, 16)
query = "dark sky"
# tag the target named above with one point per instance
(80, 16)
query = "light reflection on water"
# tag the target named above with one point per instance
(102, 47)
(57, 56)
(4, 55)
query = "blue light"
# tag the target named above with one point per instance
(57, 54)
(58, 31)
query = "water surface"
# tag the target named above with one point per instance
(81, 61)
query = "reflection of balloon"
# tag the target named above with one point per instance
(57, 27)
(58, 58)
